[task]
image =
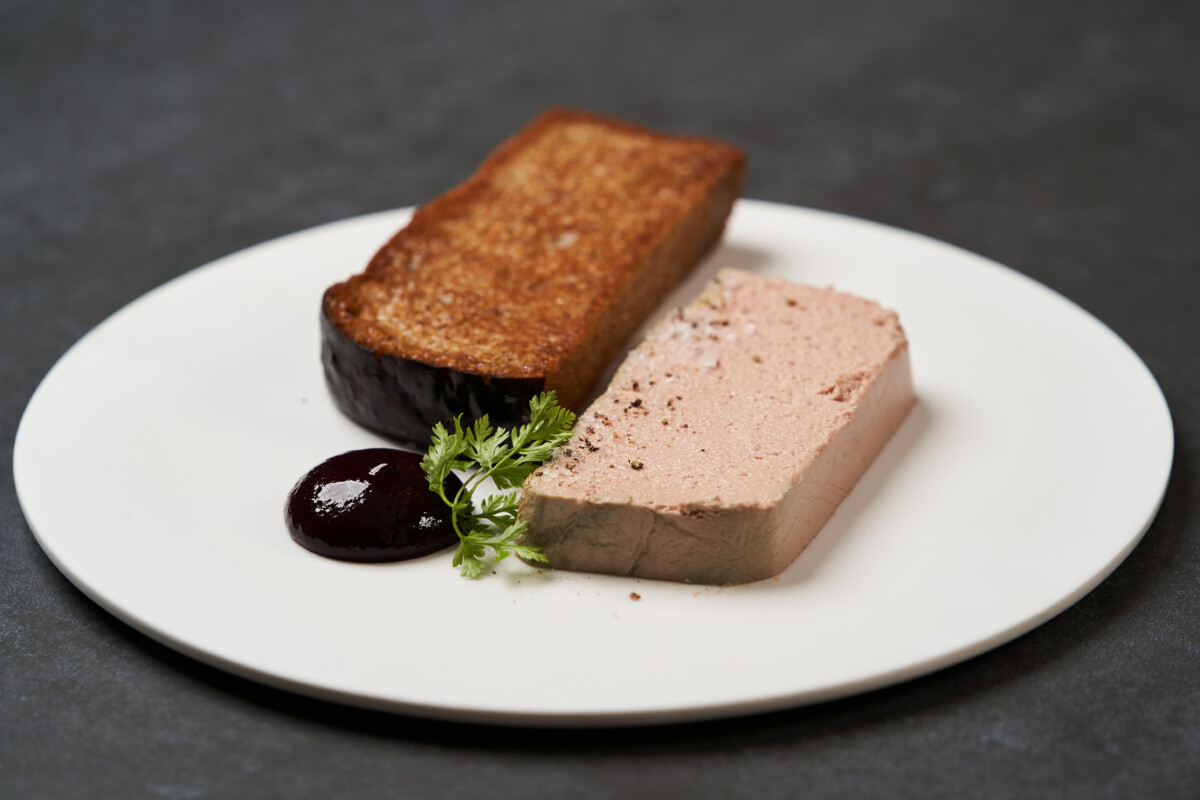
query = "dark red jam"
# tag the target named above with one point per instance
(370, 505)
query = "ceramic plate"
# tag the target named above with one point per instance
(153, 461)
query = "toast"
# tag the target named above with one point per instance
(529, 276)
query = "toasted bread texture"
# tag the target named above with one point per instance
(530, 275)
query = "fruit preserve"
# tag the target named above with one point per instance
(370, 505)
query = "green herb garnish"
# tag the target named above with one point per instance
(508, 460)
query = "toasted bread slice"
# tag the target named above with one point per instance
(531, 275)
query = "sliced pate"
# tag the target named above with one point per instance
(727, 438)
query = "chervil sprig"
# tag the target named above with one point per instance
(508, 458)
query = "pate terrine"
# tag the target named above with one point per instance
(726, 439)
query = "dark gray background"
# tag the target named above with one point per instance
(142, 140)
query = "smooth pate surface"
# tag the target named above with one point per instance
(728, 437)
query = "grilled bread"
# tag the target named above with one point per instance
(529, 276)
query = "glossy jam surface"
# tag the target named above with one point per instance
(370, 505)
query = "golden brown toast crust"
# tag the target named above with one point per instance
(514, 272)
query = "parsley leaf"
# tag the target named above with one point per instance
(508, 458)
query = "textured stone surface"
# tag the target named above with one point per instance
(141, 140)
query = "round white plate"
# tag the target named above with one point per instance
(153, 461)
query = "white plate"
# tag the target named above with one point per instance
(153, 461)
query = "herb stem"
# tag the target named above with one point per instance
(506, 457)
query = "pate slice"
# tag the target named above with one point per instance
(727, 438)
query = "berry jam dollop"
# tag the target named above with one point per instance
(370, 505)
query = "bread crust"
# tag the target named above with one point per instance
(530, 275)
